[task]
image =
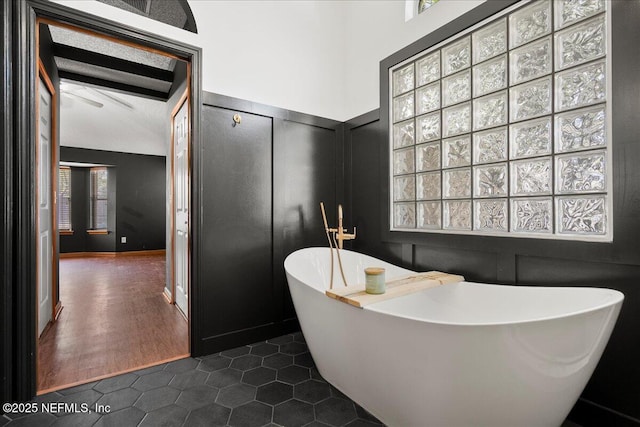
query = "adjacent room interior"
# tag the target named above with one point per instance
(112, 306)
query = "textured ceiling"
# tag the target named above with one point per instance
(101, 119)
(106, 47)
(169, 12)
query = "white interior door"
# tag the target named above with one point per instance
(181, 129)
(45, 238)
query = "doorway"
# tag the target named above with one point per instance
(73, 63)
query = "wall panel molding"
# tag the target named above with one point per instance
(305, 166)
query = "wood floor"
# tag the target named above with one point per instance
(114, 319)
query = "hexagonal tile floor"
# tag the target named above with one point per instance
(271, 383)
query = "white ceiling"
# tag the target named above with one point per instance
(144, 128)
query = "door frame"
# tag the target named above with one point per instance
(20, 24)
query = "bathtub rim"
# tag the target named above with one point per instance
(617, 298)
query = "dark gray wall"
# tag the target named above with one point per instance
(136, 202)
(613, 394)
(261, 185)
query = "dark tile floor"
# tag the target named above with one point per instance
(272, 383)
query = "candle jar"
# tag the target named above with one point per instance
(374, 283)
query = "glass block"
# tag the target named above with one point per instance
(456, 120)
(403, 161)
(430, 215)
(581, 129)
(429, 127)
(404, 188)
(530, 99)
(490, 111)
(530, 61)
(490, 180)
(456, 88)
(428, 69)
(428, 157)
(529, 23)
(531, 177)
(403, 80)
(531, 138)
(491, 215)
(490, 41)
(456, 152)
(582, 215)
(428, 98)
(404, 215)
(570, 11)
(581, 86)
(534, 215)
(490, 76)
(425, 4)
(490, 146)
(403, 107)
(403, 134)
(581, 43)
(456, 56)
(457, 215)
(581, 172)
(428, 186)
(456, 183)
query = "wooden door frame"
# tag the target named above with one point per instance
(20, 24)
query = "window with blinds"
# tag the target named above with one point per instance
(98, 198)
(64, 199)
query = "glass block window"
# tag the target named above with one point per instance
(504, 129)
(425, 4)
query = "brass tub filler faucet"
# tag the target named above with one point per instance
(336, 238)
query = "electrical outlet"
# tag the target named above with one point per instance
(123, 240)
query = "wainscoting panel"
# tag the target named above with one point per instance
(262, 181)
(477, 266)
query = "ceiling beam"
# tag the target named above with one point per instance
(117, 86)
(110, 62)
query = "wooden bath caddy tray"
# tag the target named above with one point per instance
(357, 296)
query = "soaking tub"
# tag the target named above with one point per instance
(463, 354)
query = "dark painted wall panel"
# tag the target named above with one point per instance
(137, 189)
(363, 191)
(305, 174)
(615, 381)
(236, 243)
(262, 183)
(475, 266)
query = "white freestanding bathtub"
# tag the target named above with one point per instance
(459, 355)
